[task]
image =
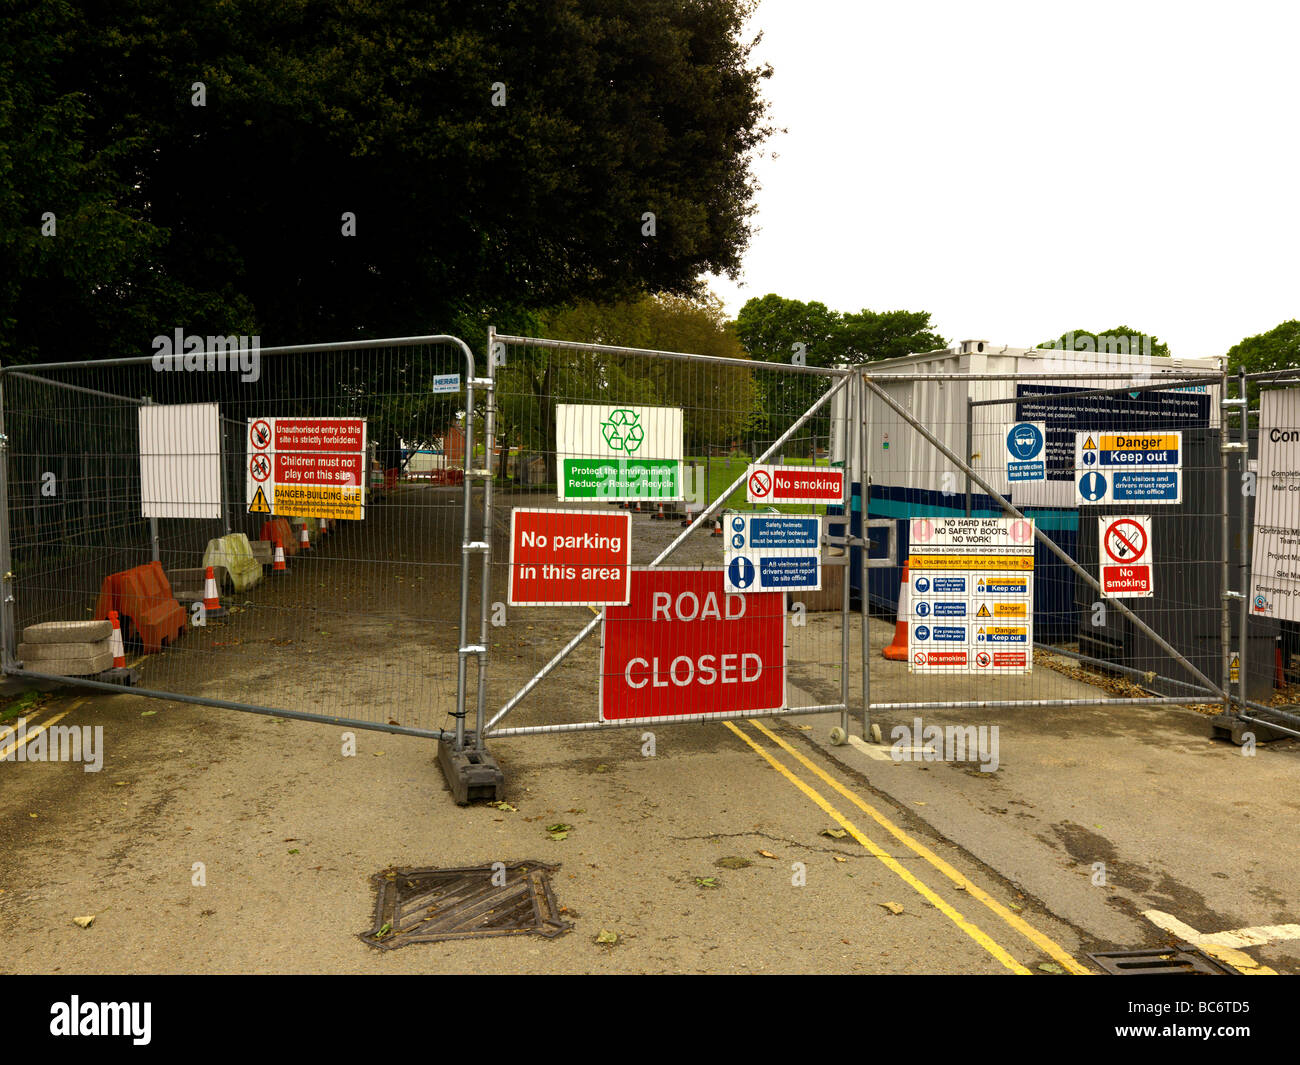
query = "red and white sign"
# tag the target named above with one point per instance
(569, 558)
(1126, 566)
(307, 467)
(683, 648)
(795, 484)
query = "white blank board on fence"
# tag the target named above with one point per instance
(180, 461)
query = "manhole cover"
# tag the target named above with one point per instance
(1182, 960)
(428, 905)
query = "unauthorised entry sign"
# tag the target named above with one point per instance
(684, 648)
(569, 557)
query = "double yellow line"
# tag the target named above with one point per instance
(10, 728)
(1013, 920)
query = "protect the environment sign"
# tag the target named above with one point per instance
(1275, 562)
(307, 467)
(613, 452)
(972, 595)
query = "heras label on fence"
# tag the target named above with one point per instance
(569, 558)
(606, 451)
(1275, 561)
(684, 648)
(972, 595)
(794, 484)
(307, 467)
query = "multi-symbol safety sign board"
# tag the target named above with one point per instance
(606, 451)
(307, 467)
(1125, 557)
(772, 552)
(683, 647)
(1026, 452)
(1275, 553)
(972, 595)
(569, 557)
(1112, 467)
(794, 484)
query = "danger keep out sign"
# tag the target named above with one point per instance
(684, 648)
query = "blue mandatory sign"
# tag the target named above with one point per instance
(922, 632)
(797, 572)
(949, 584)
(1025, 442)
(741, 572)
(950, 632)
(737, 541)
(922, 610)
(1090, 458)
(1092, 486)
(922, 584)
(738, 524)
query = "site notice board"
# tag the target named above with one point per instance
(972, 595)
(307, 467)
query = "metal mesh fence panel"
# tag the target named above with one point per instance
(113, 466)
(665, 439)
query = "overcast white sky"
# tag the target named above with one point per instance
(1021, 169)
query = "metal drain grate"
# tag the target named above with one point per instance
(1182, 960)
(429, 905)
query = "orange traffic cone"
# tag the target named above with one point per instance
(324, 528)
(278, 566)
(717, 527)
(115, 641)
(897, 651)
(212, 607)
(304, 541)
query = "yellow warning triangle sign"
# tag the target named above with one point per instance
(1089, 443)
(258, 505)
(984, 611)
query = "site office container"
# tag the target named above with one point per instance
(911, 478)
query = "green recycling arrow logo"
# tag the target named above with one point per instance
(623, 430)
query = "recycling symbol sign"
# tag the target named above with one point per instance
(623, 430)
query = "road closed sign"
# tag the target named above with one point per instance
(684, 648)
(1126, 569)
(794, 484)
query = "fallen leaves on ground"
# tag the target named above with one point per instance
(892, 907)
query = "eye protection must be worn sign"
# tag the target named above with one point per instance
(972, 593)
(1125, 557)
(684, 648)
(1128, 468)
(772, 552)
(307, 467)
(1026, 452)
(607, 451)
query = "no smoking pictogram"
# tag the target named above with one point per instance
(760, 483)
(259, 434)
(260, 467)
(1126, 540)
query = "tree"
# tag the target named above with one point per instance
(774, 329)
(315, 171)
(718, 402)
(1122, 340)
(1278, 349)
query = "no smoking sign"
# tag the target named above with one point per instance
(1127, 571)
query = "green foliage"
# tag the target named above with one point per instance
(1122, 340)
(774, 329)
(1278, 349)
(228, 217)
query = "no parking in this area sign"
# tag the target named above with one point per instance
(772, 552)
(685, 648)
(569, 557)
(1126, 569)
(972, 595)
(1128, 468)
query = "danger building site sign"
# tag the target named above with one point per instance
(307, 467)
